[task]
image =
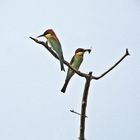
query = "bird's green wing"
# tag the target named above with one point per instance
(72, 60)
(70, 71)
(55, 43)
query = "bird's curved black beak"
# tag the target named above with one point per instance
(40, 35)
(87, 50)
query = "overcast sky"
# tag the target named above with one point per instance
(31, 104)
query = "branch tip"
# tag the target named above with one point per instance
(34, 39)
(89, 50)
(127, 52)
(31, 37)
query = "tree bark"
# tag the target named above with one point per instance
(84, 106)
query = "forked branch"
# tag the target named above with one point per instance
(78, 72)
(88, 78)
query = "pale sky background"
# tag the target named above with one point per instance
(31, 104)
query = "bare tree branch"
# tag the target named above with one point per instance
(55, 55)
(83, 107)
(102, 75)
(88, 78)
(78, 72)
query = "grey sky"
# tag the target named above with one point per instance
(31, 104)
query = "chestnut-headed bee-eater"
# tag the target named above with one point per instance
(55, 44)
(75, 63)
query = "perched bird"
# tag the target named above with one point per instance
(75, 63)
(55, 44)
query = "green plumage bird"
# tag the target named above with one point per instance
(55, 44)
(76, 61)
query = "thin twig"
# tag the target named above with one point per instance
(111, 68)
(77, 113)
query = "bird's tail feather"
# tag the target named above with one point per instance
(61, 58)
(65, 86)
(62, 65)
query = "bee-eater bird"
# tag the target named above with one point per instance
(75, 63)
(55, 44)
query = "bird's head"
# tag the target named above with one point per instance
(48, 33)
(81, 51)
